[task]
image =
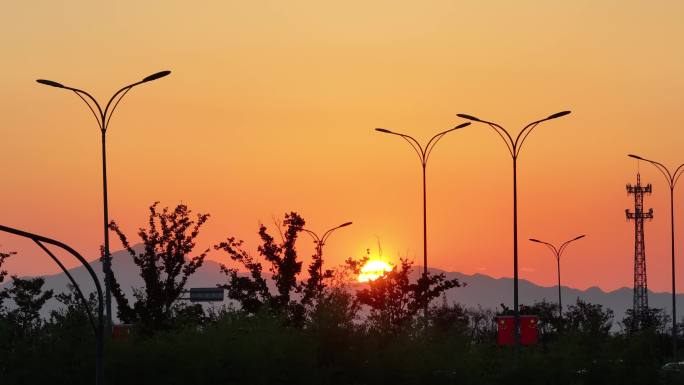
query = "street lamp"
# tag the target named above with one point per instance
(424, 155)
(320, 242)
(558, 252)
(97, 326)
(103, 117)
(514, 147)
(672, 179)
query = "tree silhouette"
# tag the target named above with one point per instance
(590, 319)
(164, 265)
(315, 285)
(547, 312)
(252, 291)
(73, 313)
(394, 300)
(652, 319)
(483, 325)
(3, 274)
(3, 257)
(29, 298)
(446, 317)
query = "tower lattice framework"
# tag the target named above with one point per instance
(640, 301)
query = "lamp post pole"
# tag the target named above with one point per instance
(558, 252)
(103, 117)
(320, 241)
(97, 325)
(514, 147)
(423, 155)
(672, 179)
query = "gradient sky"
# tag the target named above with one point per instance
(271, 108)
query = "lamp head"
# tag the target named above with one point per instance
(156, 76)
(50, 83)
(535, 240)
(466, 124)
(383, 130)
(635, 156)
(558, 115)
(580, 237)
(469, 117)
(345, 224)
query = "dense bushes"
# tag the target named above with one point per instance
(234, 347)
(311, 330)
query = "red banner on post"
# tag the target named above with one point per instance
(505, 330)
(529, 334)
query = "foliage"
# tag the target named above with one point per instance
(446, 317)
(331, 324)
(341, 336)
(482, 324)
(164, 265)
(3, 257)
(72, 317)
(3, 274)
(236, 347)
(550, 324)
(21, 328)
(395, 301)
(654, 320)
(29, 298)
(57, 350)
(588, 318)
(291, 297)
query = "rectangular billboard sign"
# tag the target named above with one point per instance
(206, 294)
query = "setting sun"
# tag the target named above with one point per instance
(373, 269)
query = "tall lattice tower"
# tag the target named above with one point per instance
(640, 284)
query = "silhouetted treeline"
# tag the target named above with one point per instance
(289, 327)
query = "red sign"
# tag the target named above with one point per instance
(506, 328)
(121, 331)
(529, 334)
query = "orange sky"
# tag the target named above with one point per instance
(271, 107)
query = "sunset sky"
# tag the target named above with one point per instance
(271, 107)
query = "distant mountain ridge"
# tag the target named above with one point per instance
(481, 290)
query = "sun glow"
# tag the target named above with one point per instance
(373, 269)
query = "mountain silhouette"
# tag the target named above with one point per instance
(480, 290)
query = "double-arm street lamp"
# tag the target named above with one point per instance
(514, 147)
(423, 155)
(558, 252)
(672, 178)
(320, 242)
(103, 116)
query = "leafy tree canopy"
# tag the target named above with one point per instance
(165, 264)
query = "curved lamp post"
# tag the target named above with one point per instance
(98, 326)
(558, 252)
(423, 155)
(320, 242)
(672, 179)
(103, 117)
(514, 147)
